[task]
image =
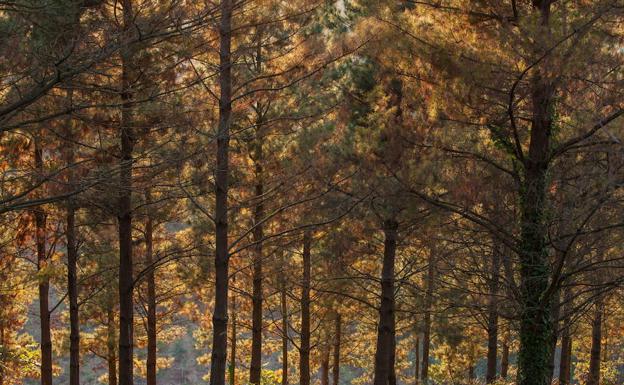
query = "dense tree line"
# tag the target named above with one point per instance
(274, 192)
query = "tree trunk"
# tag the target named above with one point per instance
(110, 344)
(417, 356)
(284, 310)
(151, 298)
(124, 214)
(555, 311)
(337, 342)
(2, 343)
(593, 377)
(255, 367)
(72, 282)
(304, 349)
(44, 279)
(492, 327)
(384, 354)
(535, 352)
(566, 356)
(424, 373)
(72, 258)
(505, 357)
(222, 257)
(325, 363)
(257, 297)
(233, 341)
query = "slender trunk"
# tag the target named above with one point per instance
(384, 354)
(471, 372)
(2, 343)
(304, 349)
(72, 259)
(555, 311)
(110, 344)
(151, 298)
(535, 352)
(336, 358)
(44, 279)
(492, 327)
(325, 363)
(593, 377)
(417, 357)
(392, 380)
(222, 257)
(255, 367)
(284, 310)
(424, 373)
(233, 341)
(505, 357)
(566, 351)
(72, 290)
(124, 214)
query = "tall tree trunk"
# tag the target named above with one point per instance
(566, 353)
(535, 352)
(44, 278)
(384, 354)
(72, 261)
(284, 311)
(492, 327)
(325, 362)
(416, 356)
(424, 373)
(593, 376)
(505, 357)
(222, 257)
(337, 342)
(124, 214)
(2, 343)
(255, 367)
(304, 348)
(233, 340)
(110, 345)
(257, 297)
(555, 311)
(151, 296)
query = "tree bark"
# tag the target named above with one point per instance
(284, 311)
(151, 297)
(593, 376)
(255, 368)
(233, 341)
(535, 352)
(384, 354)
(257, 297)
(424, 373)
(44, 278)
(72, 261)
(325, 363)
(492, 327)
(304, 349)
(2, 343)
(110, 344)
(222, 257)
(555, 311)
(505, 357)
(124, 213)
(417, 357)
(566, 353)
(337, 342)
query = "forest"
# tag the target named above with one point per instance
(311, 192)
